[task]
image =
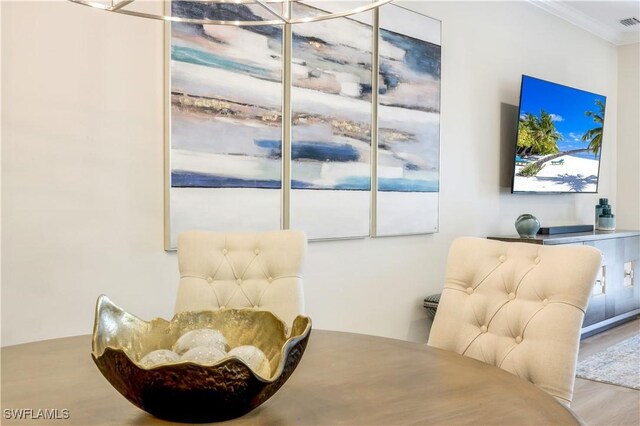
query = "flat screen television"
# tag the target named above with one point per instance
(559, 139)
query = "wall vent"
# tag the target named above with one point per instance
(629, 22)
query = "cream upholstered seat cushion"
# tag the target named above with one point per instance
(242, 270)
(518, 306)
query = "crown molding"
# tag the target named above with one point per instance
(628, 38)
(568, 13)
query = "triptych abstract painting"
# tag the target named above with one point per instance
(225, 164)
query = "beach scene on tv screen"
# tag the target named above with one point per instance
(559, 138)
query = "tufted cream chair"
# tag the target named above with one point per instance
(518, 306)
(242, 270)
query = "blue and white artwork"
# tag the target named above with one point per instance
(408, 165)
(331, 125)
(226, 122)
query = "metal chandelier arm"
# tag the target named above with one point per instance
(120, 7)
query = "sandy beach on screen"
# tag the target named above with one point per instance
(575, 174)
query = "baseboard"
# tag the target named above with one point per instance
(601, 326)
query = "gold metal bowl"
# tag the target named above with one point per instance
(186, 391)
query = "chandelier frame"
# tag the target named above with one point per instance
(279, 18)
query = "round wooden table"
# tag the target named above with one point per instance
(343, 378)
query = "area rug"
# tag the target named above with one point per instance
(618, 365)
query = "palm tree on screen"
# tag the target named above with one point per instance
(594, 136)
(547, 133)
(538, 134)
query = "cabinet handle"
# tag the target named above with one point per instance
(628, 274)
(601, 280)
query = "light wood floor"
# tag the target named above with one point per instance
(600, 403)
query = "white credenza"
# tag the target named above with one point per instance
(616, 292)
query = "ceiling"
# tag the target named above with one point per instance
(601, 18)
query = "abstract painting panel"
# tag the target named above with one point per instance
(331, 125)
(408, 123)
(226, 123)
(225, 162)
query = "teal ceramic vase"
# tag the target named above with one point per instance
(527, 225)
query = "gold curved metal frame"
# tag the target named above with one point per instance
(280, 18)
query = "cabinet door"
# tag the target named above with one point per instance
(627, 290)
(608, 284)
(597, 303)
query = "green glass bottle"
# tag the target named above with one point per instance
(607, 220)
(601, 203)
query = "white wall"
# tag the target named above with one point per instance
(628, 166)
(82, 167)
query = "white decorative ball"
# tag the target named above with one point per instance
(158, 357)
(254, 358)
(205, 355)
(200, 337)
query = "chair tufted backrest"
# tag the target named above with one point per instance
(518, 306)
(242, 270)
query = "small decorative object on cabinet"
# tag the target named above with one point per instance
(527, 225)
(616, 292)
(601, 203)
(607, 220)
